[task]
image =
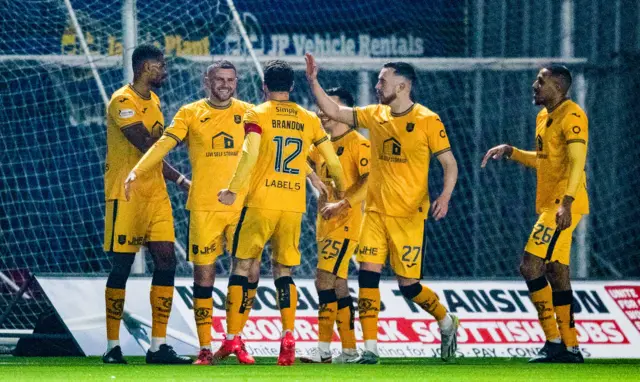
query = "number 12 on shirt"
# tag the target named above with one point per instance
(283, 165)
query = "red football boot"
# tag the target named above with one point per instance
(287, 350)
(205, 357)
(228, 347)
(243, 356)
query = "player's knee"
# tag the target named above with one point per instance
(558, 276)
(324, 280)
(242, 267)
(120, 270)
(204, 275)
(411, 291)
(368, 279)
(342, 288)
(531, 267)
(280, 270)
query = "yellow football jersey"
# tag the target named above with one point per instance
(126, 108)
(354, 152)
(566, 124)
(214, 139)
(278, 181)
(401, 147)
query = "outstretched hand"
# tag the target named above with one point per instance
(312, 67)
(496, 153)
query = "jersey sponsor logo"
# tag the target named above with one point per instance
(339, 151)
(222, 145)
(204, 120)
(127, 113)
(144, 110)
(442, 134)
(237, 119)
(549, 122)
(410, 126)
(364, 250)
(392, 151)
(121, 100)
(138, 240)
(204, 251)
(576, 114)
(364, 162)
(286, 110)
(576, 129)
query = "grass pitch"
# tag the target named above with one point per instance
(401, 370)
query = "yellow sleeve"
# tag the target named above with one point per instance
(155, 154)
(437, 136)
(575, 128)
(577, 161)
(363, 117)
(124, 112)
(333, 164)
(250, 151)
(312, 158)
(364, 156)
(179, 128)
(527, 158)
(309, 170)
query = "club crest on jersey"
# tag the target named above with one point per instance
(410, 126)
(237, 119)
(122, 239)
(194, 249)
(339, 151)
(549, 122)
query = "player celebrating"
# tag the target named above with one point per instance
(337, 230)
(279, 133)
(404, 135)
(561, 200)
(213, 131)
(134, 123)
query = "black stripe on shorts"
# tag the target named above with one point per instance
(236, 234)
(343, 250)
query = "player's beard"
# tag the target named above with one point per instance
(386, 100)
(158, 82)
(222, 96)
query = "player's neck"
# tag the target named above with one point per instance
(399, 106)
(553, 104)
(339, 130)
(278, 96)
(218, 103)
(142, 88)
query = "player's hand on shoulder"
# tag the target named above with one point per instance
(497, 153)
(312, 67)
(128, 183)
(227, 197)
(440, 207)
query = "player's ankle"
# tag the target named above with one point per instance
(205, 347)
(230, 337)
(112, 343)
(324, 347)
(371, 345)
(555, 340)
(350, 351)
(446, 324)
(156, 342)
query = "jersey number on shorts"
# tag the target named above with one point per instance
(407, 253)
(546, 236)
(283, 165)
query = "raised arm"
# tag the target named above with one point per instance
(334, 111)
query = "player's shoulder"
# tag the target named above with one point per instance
(574, 110)
(195, 105)
(356, 138)
(242, 105)
(422, 112)
(122, 95)
(154, 96)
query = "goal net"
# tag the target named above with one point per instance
(475, 68)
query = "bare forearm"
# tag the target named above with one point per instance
(329, 107)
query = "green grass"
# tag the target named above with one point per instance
(401, 370)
